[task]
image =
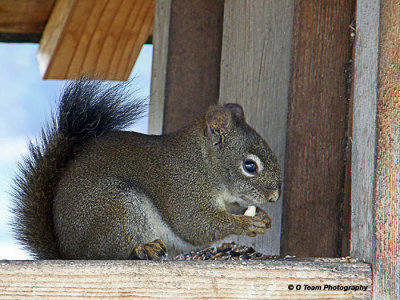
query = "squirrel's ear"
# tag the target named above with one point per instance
(236, 110)
(218, 120)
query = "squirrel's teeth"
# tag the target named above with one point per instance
(250, 211)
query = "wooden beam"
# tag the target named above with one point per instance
(101, 38)
(24, 17)
(255, 73)
(316, 134)
(191, 63)
(365, 84)
(376, 147)
(159, 66)
(185, 279)
(387, 174)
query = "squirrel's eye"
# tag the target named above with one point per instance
(250, 166)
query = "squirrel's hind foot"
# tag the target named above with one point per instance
(154, 250)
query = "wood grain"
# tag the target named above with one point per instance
(365, 97)
(101, 38)
(24, 16)
(182, 279)
(387, 190)
(193, 61)
(255, 69)
(159, 66)
(316, 132)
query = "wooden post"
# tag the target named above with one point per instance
(387, 180)
(365, 99)
(316, 133)
(191, 62)
(376, 144)
(159, 66)
(255, 73)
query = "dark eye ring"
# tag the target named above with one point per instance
(250, 166)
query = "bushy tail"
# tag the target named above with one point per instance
(87, 110)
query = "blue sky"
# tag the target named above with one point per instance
(26, 102)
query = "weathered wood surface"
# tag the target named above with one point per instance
(24, 16)
(159, 66)
(191, 83)
(96, 37)
(316, 129)
(183, 279)
(376, 145)
(364, 129)
(255, 67)
(387, 172)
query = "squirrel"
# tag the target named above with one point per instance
(90, 190)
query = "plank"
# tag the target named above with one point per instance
(387, 175)
(24, 16)
(376, 151)
(101, 38)
(192, 63)
(255, 69)
(183, 279)
(159, 66)
(365, 97)
(316, 129)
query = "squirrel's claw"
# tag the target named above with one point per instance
(154, 250)
(258, 224)
(262, 214)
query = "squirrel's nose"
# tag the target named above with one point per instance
(275, 195)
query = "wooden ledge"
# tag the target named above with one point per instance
(270, 279)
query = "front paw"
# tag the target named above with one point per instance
(257, 224)
(154, 250)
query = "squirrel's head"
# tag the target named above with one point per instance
(240, 158)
